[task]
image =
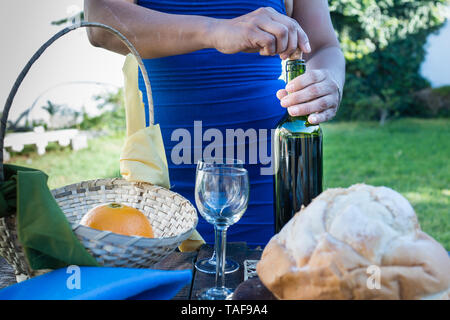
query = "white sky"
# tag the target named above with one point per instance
(436, 66)
(25, 26)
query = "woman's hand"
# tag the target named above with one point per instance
(264, 30)
(314, 93)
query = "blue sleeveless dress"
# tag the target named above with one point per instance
(209, 90)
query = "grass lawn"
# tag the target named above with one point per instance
(409, 155)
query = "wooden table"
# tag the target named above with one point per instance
(237, 251)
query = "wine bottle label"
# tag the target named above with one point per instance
(294, 68)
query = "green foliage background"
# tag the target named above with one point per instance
(383, 42)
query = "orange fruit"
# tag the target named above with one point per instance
(118, 218)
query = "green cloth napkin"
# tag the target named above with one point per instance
(42, 227)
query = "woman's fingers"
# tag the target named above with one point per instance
(305, 80)
(308, 108)
(309, 93)
(297, 54)
(264, 30)
(299, 38)
(303, 41)
(266, 42)
(317, 105)
(281, 94)
(292, 45)
(278, 30)
(322, 116)
(314, 94)
(290, 37)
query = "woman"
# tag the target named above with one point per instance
(215, 65)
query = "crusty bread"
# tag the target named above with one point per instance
(325, 250)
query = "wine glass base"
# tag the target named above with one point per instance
(219, 293)
(209, 266)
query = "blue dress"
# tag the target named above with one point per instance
(205, 90)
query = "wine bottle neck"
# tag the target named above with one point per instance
(294, 69)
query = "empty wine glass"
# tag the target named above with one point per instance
(221, 195)
(209, 265)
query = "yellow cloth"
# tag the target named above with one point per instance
(143, 156)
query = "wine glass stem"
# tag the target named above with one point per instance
(213, 257)
(220, 241)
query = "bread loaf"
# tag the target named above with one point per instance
(363, 242)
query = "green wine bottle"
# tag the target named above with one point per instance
(297, 159)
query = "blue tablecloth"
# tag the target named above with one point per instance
(100, 283)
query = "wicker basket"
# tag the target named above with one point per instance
(173, 217)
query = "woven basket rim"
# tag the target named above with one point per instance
(123, 240)
(119, 239)
(60, 192)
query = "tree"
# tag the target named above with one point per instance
(383, 42)
(52, 109)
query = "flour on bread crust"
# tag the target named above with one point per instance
(325, 250)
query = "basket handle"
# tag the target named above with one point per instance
(41, 50)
